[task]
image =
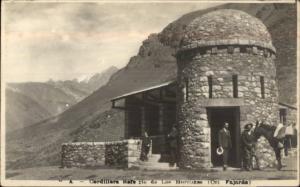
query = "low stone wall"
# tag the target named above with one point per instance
(83, 154)
(91, 154)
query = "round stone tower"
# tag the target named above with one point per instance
(226, 73)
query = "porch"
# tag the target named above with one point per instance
(151, 110)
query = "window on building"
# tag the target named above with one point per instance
(262, 86)
(210, 85)
(186, 89)
(235, 86)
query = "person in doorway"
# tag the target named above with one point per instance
(146, 144)
(247, 145)
(173, 144)
(224, 139)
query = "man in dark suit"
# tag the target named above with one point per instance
(172, 139)
(225, 143)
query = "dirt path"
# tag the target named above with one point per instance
(56, 173)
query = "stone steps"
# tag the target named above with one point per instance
(153, 164)
(154, 158)
(160, 164)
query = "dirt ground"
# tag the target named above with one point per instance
(56, 173)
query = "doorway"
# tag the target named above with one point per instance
(217, 116)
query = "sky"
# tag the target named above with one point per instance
(63, 41)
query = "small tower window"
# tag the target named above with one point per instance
(210, 85)
(186, 89)
(262, 86)
(235, 86)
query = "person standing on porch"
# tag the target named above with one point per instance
(146, 144)
(172, 139)
(224, 139)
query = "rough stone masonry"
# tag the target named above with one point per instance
(94, 154)
(216, 47)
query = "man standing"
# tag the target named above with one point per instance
(247, 147)
(172, 139)
(225, 143)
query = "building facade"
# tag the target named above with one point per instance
(226, 73)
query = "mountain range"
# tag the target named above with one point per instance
(32, 102)
(92, 119)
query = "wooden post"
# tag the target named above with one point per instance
(143, 120)
(126, 130)
(161, 119)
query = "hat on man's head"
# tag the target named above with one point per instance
(248, 126)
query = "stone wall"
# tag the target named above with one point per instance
(92, 154)
(221, 63)
(80, 154)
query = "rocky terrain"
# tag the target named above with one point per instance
(40, 145)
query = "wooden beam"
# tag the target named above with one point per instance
(157, 102)
(119, 107)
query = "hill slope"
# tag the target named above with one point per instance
(23, 110)
(153, 65)
(47, 98)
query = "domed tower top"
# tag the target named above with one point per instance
(226, 27)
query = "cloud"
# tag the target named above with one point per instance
(67, 40)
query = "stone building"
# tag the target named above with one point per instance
(226, 73)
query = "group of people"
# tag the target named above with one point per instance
(247, 146)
